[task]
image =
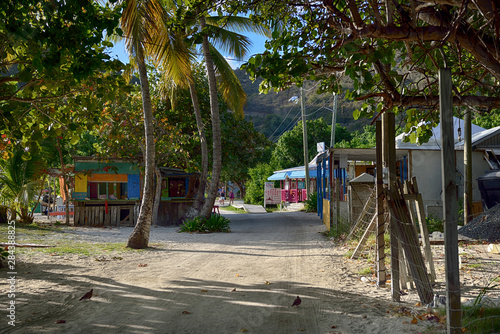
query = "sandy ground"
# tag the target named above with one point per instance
(243, 281)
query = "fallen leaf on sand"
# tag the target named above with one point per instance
(142, 265)
(234, 290)
(333, 327)
(267, 282)
(60, 321)
(186, 312)
(243, 330)
(204, 290)
(414, 321)
(418, 304)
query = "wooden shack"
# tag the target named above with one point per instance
(177, 195)
(107, 192)
(359, 192)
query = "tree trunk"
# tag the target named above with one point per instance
(156, 204)
(65, 180)
(199, 200)
(216, 130)
(241, 186)
(140, 235)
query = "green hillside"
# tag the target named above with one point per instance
(274, 113)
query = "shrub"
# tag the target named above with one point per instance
(311, 204)
(434, 224)
(193, 225)
(215, 223)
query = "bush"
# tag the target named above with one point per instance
(193, 225)
(255, 186)
(215, 223)
(434, 224)
(311, 204)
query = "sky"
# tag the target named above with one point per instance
(258, 41)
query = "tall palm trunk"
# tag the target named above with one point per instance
(216, 130)
(200, 195)
(140, 236)
(156, 204)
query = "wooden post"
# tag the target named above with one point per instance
(450, 207)
(467, 167)
(337, 197)
(381, 276)
(423, 229)
(389, 152)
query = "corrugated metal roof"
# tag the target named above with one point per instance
(277, 176)
(434, 142)
(479, 137)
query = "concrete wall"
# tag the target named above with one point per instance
(358, 192)
(426, 166)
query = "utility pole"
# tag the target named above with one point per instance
(334, 120)
(304, 135)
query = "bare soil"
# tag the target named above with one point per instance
(243, 281)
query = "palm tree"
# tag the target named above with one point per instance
(226, 37)
(20, 182)
(143, 24)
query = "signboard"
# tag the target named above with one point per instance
(301, 185)
(271, 195)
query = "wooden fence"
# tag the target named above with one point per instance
(98, 215)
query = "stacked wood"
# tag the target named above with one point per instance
(409, 240)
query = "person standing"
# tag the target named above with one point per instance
(231, 197)
(222, 196)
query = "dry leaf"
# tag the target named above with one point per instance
(267, 282)
(142, 265)
(418, 304)
(60, 321)
(234, 290)
(204, 290)
(414, 321)
(243, 330)
(186, 312)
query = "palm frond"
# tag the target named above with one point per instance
(238, 24)
(232, 43)
(229, 84)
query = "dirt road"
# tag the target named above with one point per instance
(243, 281)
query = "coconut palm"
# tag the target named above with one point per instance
(143, 25)
(20, 182)
(223, 33)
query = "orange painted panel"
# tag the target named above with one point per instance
(107, 178)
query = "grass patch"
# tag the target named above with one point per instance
(481, 319)
(365, 271)
(83, 248)
(233, 209)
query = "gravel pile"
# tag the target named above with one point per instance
(485, 227)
